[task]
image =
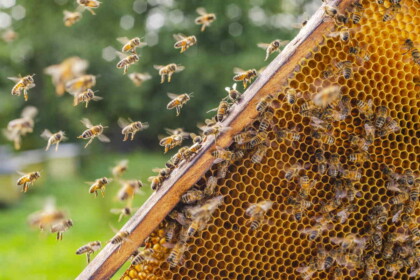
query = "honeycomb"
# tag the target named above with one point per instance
(228, 249)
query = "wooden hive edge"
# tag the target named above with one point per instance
(161, 202)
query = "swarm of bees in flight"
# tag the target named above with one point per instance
(198, 205)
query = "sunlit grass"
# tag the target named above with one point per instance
(27, 253)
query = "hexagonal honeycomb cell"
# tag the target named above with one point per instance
(280, 248)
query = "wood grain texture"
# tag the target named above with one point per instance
(160, 203)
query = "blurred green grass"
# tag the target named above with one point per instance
(27, 253)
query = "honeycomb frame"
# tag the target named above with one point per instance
(277, 248)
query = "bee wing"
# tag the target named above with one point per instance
(30, 86)
(86, 122)
(179, 36)
(145, 76)
(179, 68)
(172, 95)
(266, 205)
(158, 67)
(238, 70)
(213, 110)
(121, 55)
(29, 112)
(156, 169)
(123, 40)
(228, 89)
(103, 138)
(96, 98)
(263, 45)
(46, 134)
(201, 11)
(284, 43)
(122, 122)
(14, 79)
(116, 211)
(123, 162)
(20, 173)
(334, 34)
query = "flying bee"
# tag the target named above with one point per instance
(327, 96)
(61, 227)
(177, 253)
(291, 95)
(266, 120)
(174, 139)
(184, 42)
(210, 186)
(168, 70)
(344, 213)
(215, 130)
(85, 96)
(130, 45)
(359, 142)
(89, 5)
(272, 47)
(324, 138)
(293, 171)
(121, 167)
(321, 160)
(93, 131)
(99, 185)
(391, 126)
(222, 110)
(126, 211)
(233, 94)
(192, 196)
(381, 115)
(343, 33)
(221, 154)
(71, 18)
(365, 108)
(53, 139)
(318, 229)
(89, 249)
(129, 189)
(205, 19)
(46, 217)
(400, 199)
(259, 153)
(358, 158)
(131, 127)
(23, 84)
(139, 78)
(391, 12)
(264, 103)
(126, 61)
(245, 76)
(80, 84)
(334, 166)
(257, 211)
(27, 180)
(352, 175)
(120, 237)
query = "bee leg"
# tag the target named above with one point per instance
(90, 141)
(178, 111)
(162, 78)
(132, 136)
(120, 217)
(91, 11)
(125, 137)
(103, 193)
(48, 146)
(58, 235)
(244, 83)
(170, 76)
(125, 69)
(87, 103)
(88, 257)
(203, 27)
(25, 94)
(56, 147)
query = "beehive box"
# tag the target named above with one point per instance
(227, 249)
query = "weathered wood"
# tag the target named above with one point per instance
(160, 203)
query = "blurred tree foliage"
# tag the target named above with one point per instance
(230, 41)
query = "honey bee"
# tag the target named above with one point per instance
(359, 53)
(201, 214)
(358, 158)
(365, 108)
(414, 229)
(126, 61)
(327, 96)
(81, 83)
(85, 96)
(391, 12)
(344, 106)
(121, 167)
(184, 42)
(369, 131)
(400, 198)
(192, 196)
(89, 5)
(244, 137)
(233, 94)
(291, 95)
(222, 110)
(293, 171)
(344, 213)
(349, 242)
(266, 120)
(126, 211)
(205, 19)
(156, 181)
(306, 272)
(139, 78)
(193, 150)
(27, 180)
(177, 253)
(210, 186)
(381, 115)
(264, 103)
(332, 13)
(245, 76)
(89, 249)
(346, 68)
(305, 185)
(343, 33)
(129, 189)
(257, 211)
(221, 154)
(359, 142)
(168, 70)
(120, 237)
(357, 12)
(23, 84)
(334, 166)
(215, 130)
(352, 175)
(328, 207)
(99, 185)
(71, 18)
(300, 206)
(321, 160)
(272, 47)
(175, 139)
(131, 127)
(46, 217)
(318, 229)
(391, 126)
(338, 273)
(324, 138)
(61, 227)
(287, 135)
(130, 45)
(139, 257)
(321, 125)
(176, 158)
(259, 153)
(259, 138)
(222, 169)
(93, 131)
(9, 35)
(324, 260)
(53, 139)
